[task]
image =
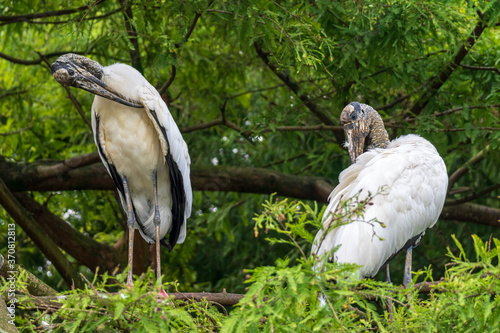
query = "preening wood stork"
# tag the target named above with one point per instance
(415, 181)
(140, 146)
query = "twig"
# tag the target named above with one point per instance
(481, 68)
(473, 196)
(169, 81)
(450, 111)
(202, 126)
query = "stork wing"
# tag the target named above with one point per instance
(177, 158)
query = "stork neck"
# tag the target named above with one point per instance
(378, 137)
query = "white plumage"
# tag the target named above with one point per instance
(140, 146)
(414, 182)
(133, 141)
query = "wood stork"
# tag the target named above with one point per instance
(140, 146)
(415, 181)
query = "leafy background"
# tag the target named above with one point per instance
(258, 84)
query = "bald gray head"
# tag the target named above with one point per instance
(81, 72)
(362, 123)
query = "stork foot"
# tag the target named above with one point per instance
(162, 293)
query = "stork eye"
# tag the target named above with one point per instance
(353, 115)
(71, 72)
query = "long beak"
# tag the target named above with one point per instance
(355, 137)
(70, 74)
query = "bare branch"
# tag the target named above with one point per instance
(226, 299)
(480, 68)
(26, 17)
(169, 81)
(67, 21)
(78, 107)
(472, 197)
(450, 111)
(198, 127)
(63, 167)
(24, 176)
(31, 62)
(474, 213)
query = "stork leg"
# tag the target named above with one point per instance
(157, 221)
(407, 270)
(131, 231)
(387, 274)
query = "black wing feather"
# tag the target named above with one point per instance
(177, 190)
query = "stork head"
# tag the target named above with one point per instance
(81, 72)
(362, 123)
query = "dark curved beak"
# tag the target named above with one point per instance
(355, 138)
(70, 70)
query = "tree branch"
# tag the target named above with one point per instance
(481, 68)
(26, 17)
(470, 212)
(25, 177)
(472, 197)
(450, 111)
(24, 219)
(84, 249)
(32, 62)
(226, 299)
(67, 21)
(438, 80)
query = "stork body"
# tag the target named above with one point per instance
(140, 146)
(407, 180)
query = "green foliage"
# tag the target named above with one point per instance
(288, 296)
(379, 52)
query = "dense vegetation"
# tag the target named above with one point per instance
(257, 88)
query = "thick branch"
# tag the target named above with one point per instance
(438, 81)
(84, 249)
(223, 298)
(24, 219)
(25, 177)
(470, 212)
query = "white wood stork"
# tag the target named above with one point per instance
(415, 181)
(141, 147)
